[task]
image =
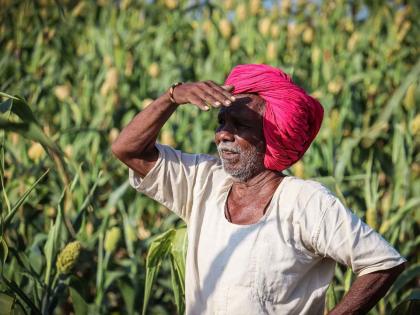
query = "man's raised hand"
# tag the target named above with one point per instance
(135, 146)
(204, 94)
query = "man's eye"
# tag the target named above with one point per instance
(241, 125)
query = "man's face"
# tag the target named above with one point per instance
(239, 137)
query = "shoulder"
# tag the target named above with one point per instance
(312, 201)
(311, 197)
(309, 190)
(171, 154)
(199, 166)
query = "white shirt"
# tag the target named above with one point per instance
(282, 264)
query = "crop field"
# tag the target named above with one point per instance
(75, 238)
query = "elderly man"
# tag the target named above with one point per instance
(260, 242)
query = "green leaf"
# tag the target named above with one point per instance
(4, 251)
(117, 194)
(21, 108)
(128, 293)
(13, 287)
(128, 230)
(345, 153)
(405, 277)
(370, 134)
(331, 298)
(348, 280)
(6, 303)
(151, 273)
(18, 309)
(177, 287)
(158, 249)
(88, 198)
(111, 276)
(52, 245)
(178, 252)
(396, 218)
(81, 307)
(22, 199)
(6, 106)
(408, 307)
(31, 129)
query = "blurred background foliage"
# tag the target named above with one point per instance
(83, 69)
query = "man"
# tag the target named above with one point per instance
(260, 242)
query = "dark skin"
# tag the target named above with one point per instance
(247, 200)
(240, 124)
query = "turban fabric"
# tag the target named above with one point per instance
(292, 118)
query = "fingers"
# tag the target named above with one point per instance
(213, 97)
(224, 89)
(197, 100)
(204, 100)
(223, 98)
(208, 93)
(209, 98)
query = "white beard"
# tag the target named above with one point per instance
(250, 162)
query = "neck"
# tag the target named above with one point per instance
(260, 180)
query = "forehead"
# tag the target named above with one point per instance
(246, 107)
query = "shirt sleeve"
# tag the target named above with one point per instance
(173, 179)
(342, 236)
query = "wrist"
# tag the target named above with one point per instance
(167, 99)
(171, 93)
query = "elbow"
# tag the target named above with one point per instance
(123, 152)
(401, 267)
(394, 272)
(126, 152)
(118, 151)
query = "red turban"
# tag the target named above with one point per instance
(292, 118)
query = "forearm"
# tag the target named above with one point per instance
(143, 130)
(136, 141)
(135, 146)
(366, 291)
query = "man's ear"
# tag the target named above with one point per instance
(261, 147)
(261, 107)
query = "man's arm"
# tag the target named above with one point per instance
(135, 146)
(339, 234)
(366, 291)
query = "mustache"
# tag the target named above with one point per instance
(227, 146)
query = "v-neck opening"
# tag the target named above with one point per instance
(263, 217)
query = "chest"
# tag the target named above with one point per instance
(254, 268)
(246, 209)
(258, 259)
